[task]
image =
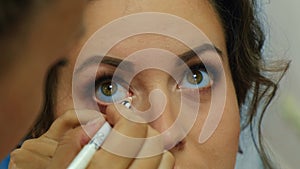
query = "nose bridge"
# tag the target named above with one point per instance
(165, 123)
(163, 120)
(157, 80)
(167, 116)
(160, 95)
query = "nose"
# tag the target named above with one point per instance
(168, 123)
(163, 114)
(175, 110)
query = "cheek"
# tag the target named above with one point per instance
(63, 106)
(227, 133)
(222, 146)
(224, 142)
(64, 100)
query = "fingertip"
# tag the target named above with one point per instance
(113, 110)
(167, 161)
(85, 138)
(169, 156)
(69, 146)
(112, 113)
(92, 126)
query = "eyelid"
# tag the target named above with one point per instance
(210, 68)
(192, 67)
(104, 77)
(116, 79)
(198, 66)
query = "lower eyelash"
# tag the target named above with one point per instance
(90, 88)
(102, 109)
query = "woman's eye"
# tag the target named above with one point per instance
(196, 79)
(108, 91)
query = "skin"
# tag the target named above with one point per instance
(220, 150)
(62, 142)
(35, 47)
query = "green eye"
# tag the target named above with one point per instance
(195, 77)
(109, 88)
(108, 91)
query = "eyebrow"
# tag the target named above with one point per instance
(96, 60)
(115, 62)
(186, 56)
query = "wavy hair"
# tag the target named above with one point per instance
(255, 78)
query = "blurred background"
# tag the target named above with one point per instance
(282, 121)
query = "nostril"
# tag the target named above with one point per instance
(173, 140)
(180, 145)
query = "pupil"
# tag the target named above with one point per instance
(195, 78)
(109, 88)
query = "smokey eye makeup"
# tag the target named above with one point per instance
(109, 89)
(196, 77)
(105, 89)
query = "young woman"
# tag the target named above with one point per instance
(234, 35)
(34, 35)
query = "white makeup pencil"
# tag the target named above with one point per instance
(83, 158)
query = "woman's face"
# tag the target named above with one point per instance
(220, 150)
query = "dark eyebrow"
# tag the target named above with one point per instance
(115, 62)
(186, 56)
(96, 60)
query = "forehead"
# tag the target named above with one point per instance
(198, 12)
(145, 41)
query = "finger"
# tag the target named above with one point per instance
(71, 143)
(151, 153)
(164, 161)
(24, 159)
(112, 153)
(47, 143)
(146, 163)
(69, 120)
(46, 146)
(69, 146)
(167, 161)
(42, 146)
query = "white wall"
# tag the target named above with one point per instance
(284, 42)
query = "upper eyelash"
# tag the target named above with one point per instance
(90, 87)
(210, 69)
(102, 78)
(108, 76)
(198, 66)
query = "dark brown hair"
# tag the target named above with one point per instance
(255, 78)
(15, 22)
(47, 116)
(12, 15)
(12, 12)
(251, 72)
